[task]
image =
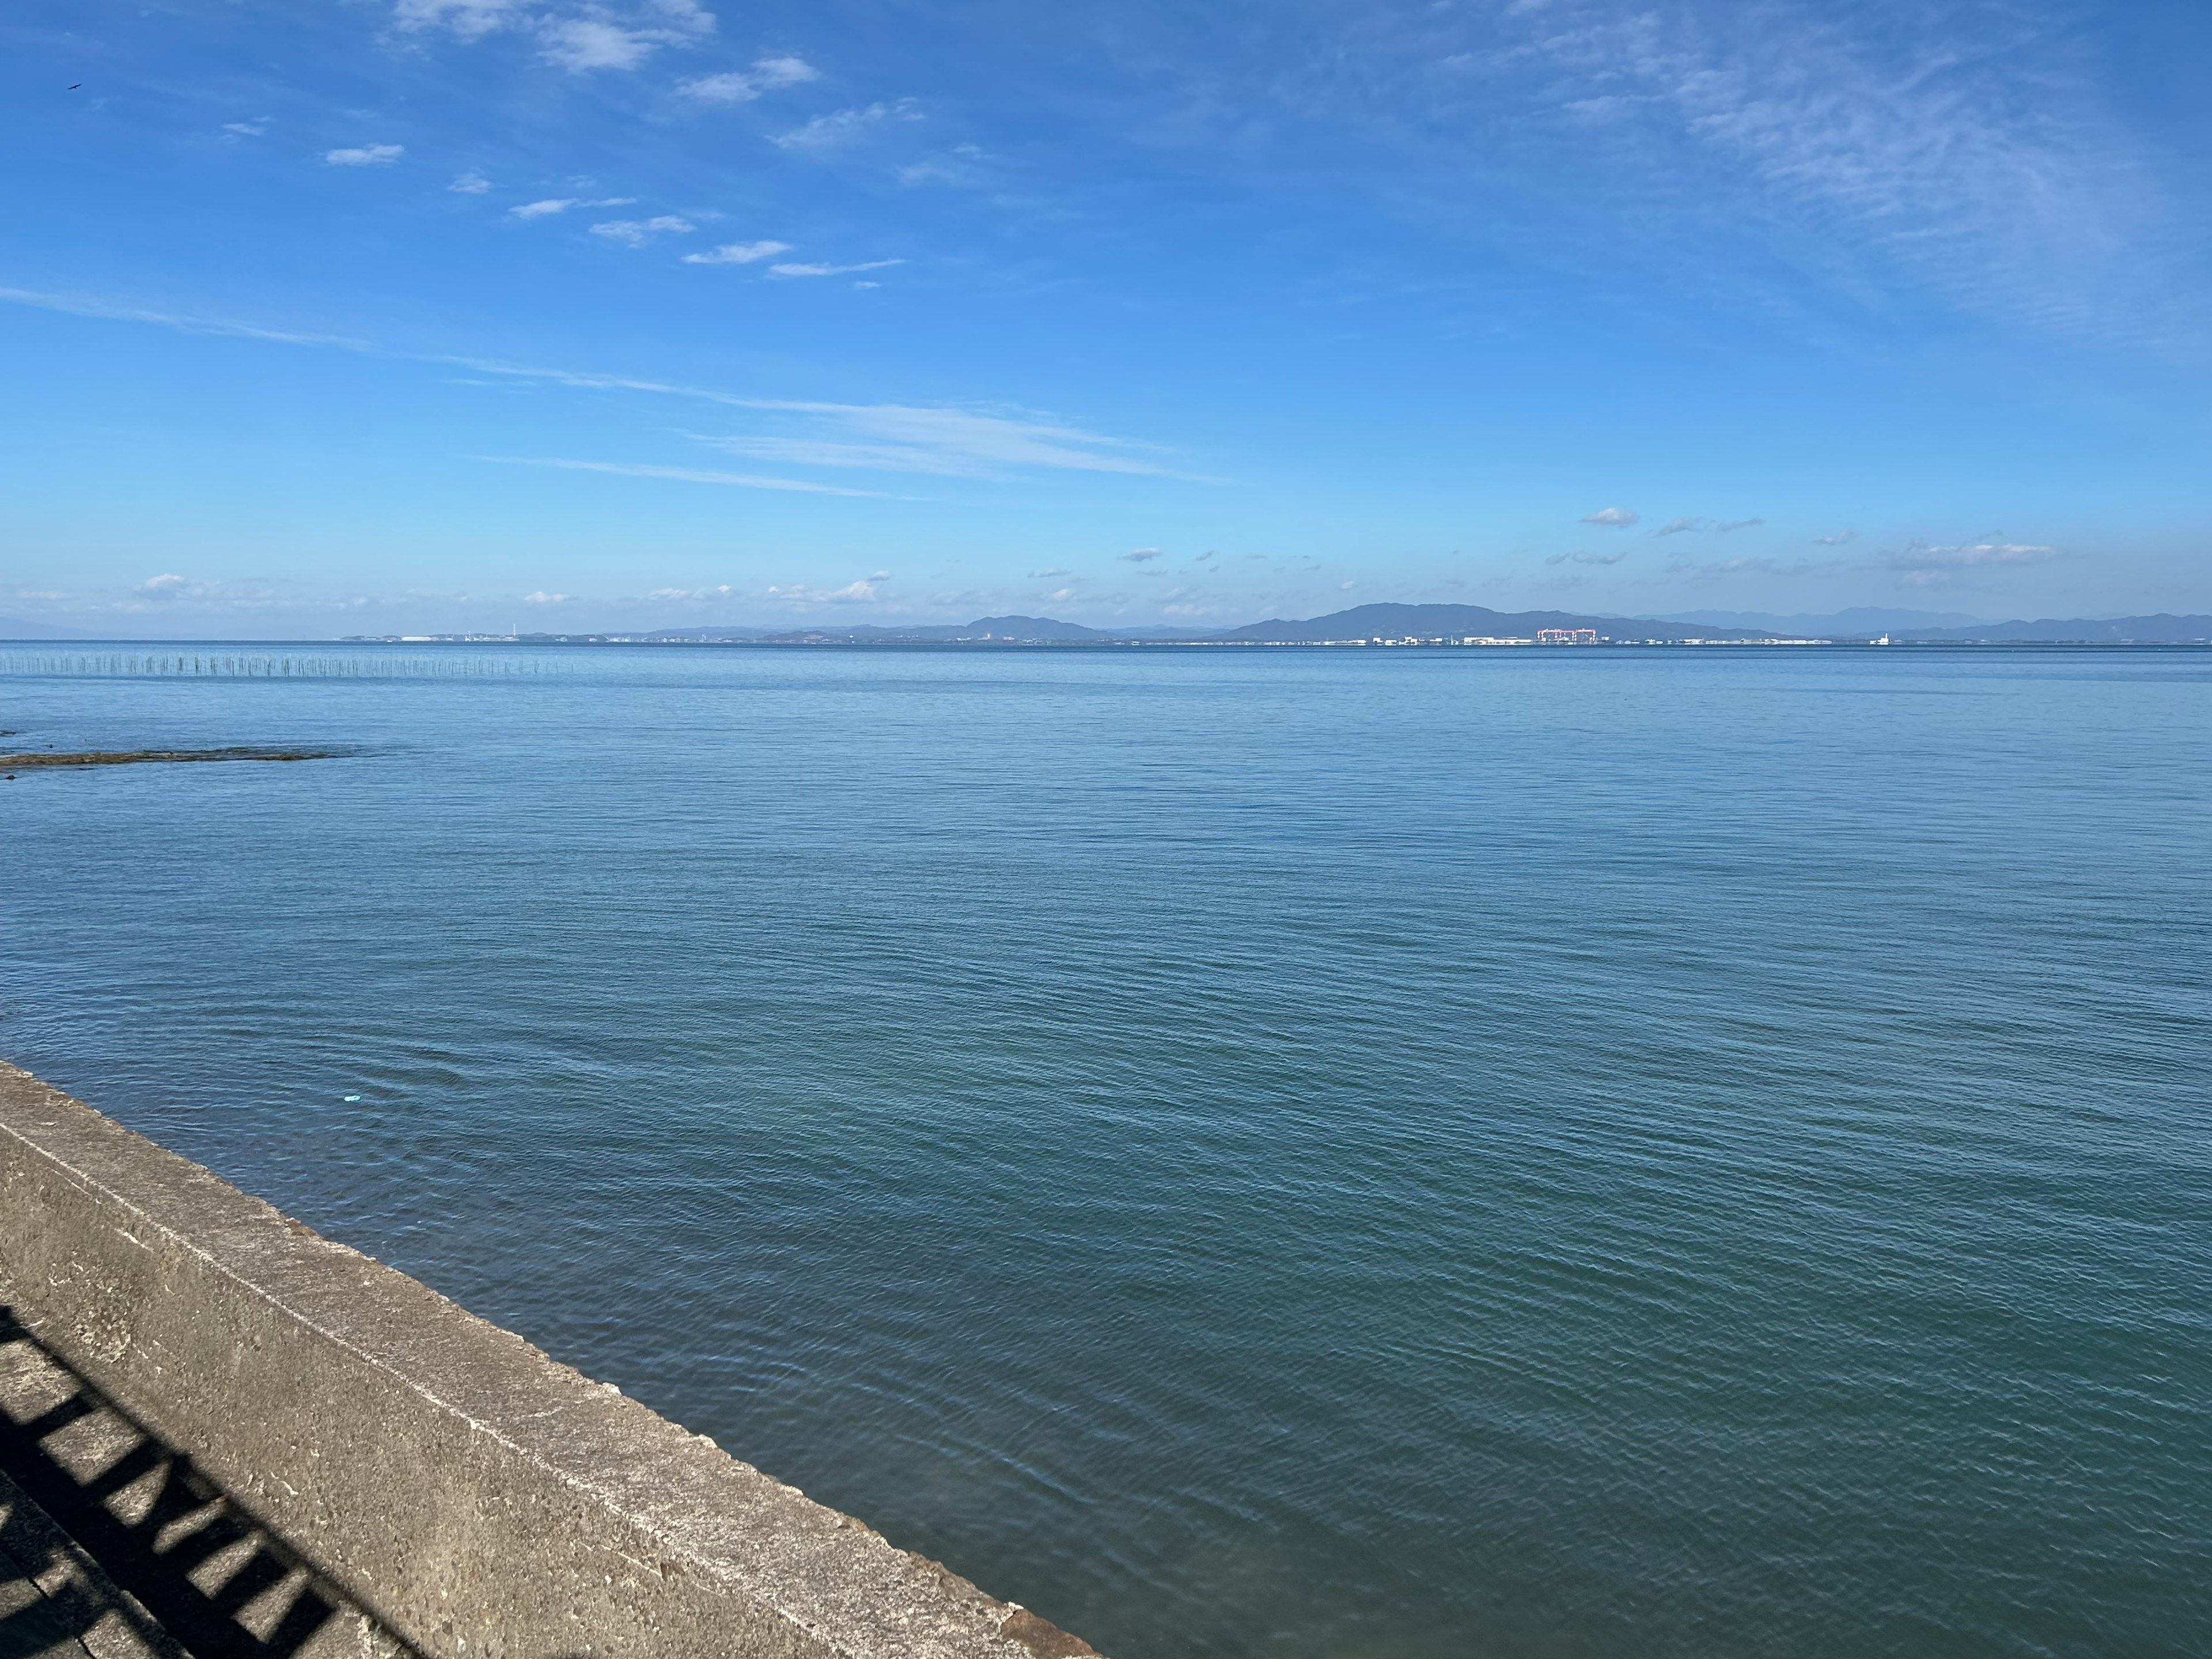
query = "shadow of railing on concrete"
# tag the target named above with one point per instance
(191, 1556)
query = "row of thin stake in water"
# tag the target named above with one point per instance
(175, 664)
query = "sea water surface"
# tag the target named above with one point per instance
(1315, 1154)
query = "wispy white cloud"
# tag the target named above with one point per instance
(365, 155)
(884, 437)
(685, 474)
(1140, 554)
(467, 18)
(959, 442)
(1968, 149)
(553, 204)
(470, 184)
(1836, 540)
(1618, 517)
(826, 135)
(1920, 564)
(580, 45)
(84, 305)
(741, 87)
(1587, 558)
(1739, 523)
(863, 591)
(832, 270)
(580, 39)
(252, 129)
(961, 167)
(737, 253)
(541, 597)
(1675, 528)
(636, 232)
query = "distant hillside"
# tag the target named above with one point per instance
(1398, 621)
(2161, 629)
(1857, 622)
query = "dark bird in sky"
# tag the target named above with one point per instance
(74, 87)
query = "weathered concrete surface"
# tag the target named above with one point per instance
(472, 1495)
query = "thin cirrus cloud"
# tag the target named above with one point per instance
(636, 232)
(1675, 528)
(954, 442)
(832, 270)
(737, 253)
(558, 205)
(1587, 558)
(1920, 564)
(471, 184)
(841, 129)
(1141, 555)
(1616, 518)
(685, 474)
(365, 155)
(883, 437)
(1969, 152)
(742, 86)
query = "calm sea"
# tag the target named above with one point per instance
(1315, 1154)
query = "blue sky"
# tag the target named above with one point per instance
(414, 314)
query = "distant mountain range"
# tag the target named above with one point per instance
(1458, 622)
(2160, 630)
(1366, 622)
(1428, 621)
(1397, 622)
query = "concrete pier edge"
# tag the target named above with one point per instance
(470, 1494)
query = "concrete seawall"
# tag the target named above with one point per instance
(440, 1484)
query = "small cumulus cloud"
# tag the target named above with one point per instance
(1047, 576)
(252, 129)
(470, 184)
(766, 75)
(541, 597)
(825, 135)
(832, 270)
(737, 253)
(1836, 540)
(365, 155)
(636, 232)
(1619, 518)
(1140, 554)
(1675, 528)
